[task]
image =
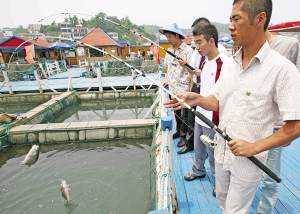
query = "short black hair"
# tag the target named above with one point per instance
(202, 21)
(166, 31)
(254, 7)
(209, 31)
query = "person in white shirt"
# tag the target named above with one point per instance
(206, 40)
(178, 77)
(288, 47)
(196, 63)
(257, 85)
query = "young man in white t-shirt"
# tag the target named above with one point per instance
(206, 40)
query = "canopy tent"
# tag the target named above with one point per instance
(286, 27)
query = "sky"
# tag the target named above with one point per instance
(155, 12)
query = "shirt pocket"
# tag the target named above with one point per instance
(256, 106)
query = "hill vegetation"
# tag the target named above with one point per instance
(123, 33)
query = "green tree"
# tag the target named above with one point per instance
(19, 30)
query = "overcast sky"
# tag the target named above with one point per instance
(154, 12)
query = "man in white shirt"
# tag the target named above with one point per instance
(196, 63)
(288, 47)
(255, 86)
(178, 77)
(206, 40)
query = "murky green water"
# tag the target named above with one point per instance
(110, 177)
(105, 110)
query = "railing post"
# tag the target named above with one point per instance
(6, 80)
(37, 80)
(133, 77)
(70, 78)
(41, 66)
(99, 78)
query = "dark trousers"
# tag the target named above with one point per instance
(189, 140)
(182, 115)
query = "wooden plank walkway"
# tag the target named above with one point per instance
(196, 196)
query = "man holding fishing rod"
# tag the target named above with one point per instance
(255, 85)
(178, 77)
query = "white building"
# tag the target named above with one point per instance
(34, 28)
(78, 32)
(7, 32)
(65, 28)
(114, 35)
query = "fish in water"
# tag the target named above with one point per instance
(32, 156)
(65, 190)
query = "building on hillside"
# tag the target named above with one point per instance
(34, 28)
(7, 32)
(111, 17)
(32, 35)
(78, 32)
(8, 46)
(65, 28)
(99, 39)
(114, 35)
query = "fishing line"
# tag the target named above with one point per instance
(184, 122)
(196, 113)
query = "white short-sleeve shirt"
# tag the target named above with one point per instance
(250, 100)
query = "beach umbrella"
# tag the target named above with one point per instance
(59, 45)
(224, 38)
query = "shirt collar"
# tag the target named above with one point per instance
(261, 54)
(180, 46)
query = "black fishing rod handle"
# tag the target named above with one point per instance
(173, 55)
(226, 137)
(264, 169)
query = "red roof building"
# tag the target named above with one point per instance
(10, 45)
(100, 40)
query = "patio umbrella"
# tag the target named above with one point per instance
(224, 38)
(60, 45)
(56, 45)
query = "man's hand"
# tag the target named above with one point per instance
(165, 84)
(242, 148)
(181, 61)
(189, 98)
(197, 72)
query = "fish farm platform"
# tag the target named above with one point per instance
(60, 81)
(196, 196)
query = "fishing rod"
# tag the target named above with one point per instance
(196, 113)
(169, 52)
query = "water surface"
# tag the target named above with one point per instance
(104, 177)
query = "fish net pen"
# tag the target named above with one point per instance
(45, 113)
(20, 72)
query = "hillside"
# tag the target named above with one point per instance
(123, 33)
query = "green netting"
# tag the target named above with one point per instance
(60, 106)
(117, 68)
(17, 72)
